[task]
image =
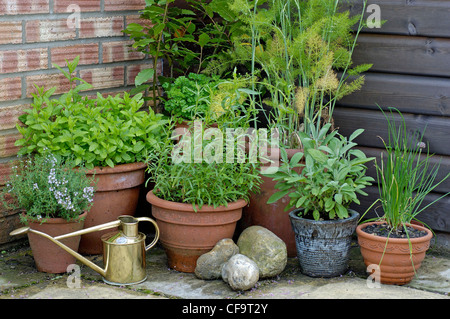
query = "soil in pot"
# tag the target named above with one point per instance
(384, 231)
(48, 256)
(395, 260)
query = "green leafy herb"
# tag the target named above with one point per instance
(101, 131)
(325, 178)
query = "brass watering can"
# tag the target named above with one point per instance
(123, 250)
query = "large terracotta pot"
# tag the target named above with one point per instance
(271, 216)
(186, 234)
(117, 194)
(48, 256)
(396, 265)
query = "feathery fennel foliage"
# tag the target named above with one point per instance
(300, 54)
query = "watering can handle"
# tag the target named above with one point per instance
(148, 219)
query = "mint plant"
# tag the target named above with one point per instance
(102, 131)
(325, 178)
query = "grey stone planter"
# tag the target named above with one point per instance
(323, 246)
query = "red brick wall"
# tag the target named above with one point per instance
(36, 33)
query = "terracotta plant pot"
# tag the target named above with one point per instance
(323, 247)
(117, 194)
(396, 267)
(48, 256)
(186, 234)
(271, 216)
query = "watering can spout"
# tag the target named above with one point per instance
(114, 248)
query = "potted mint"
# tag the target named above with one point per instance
(111, 136)
(53, 198)
(321, 183)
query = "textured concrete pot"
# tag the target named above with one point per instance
(186, 234)
(117, 194)
(400, 257)
(48, 256)
(323, 246)
(271, 216)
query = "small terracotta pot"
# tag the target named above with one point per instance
(117, 194)
(186, 234)
(396, 266)
(48, 256)
(271, 216)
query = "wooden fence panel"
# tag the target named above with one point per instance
(404, 54)
(438, 161)
(435, 216)
(436, 129)
(409, 17)
(411, 72)
(409, 94)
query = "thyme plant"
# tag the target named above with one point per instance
(45, 186)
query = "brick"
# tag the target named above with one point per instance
(5, 171)
(10, 32)
(13, 7)
(124, 5)
(10, 89)
(101, 27)
(13, 61)
(133, 70)
(48, 81)
(103, 78)
(7, 141)
(49, 30)
(9, 222)
(9, 115)
(137, 19)
(120, 51)
(60, 6)
(88, 54)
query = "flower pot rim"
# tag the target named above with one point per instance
(119, 168)
(185, 207)
(353, 214)
(361, 233)
(57, 220)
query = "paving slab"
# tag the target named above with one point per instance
(20, 280)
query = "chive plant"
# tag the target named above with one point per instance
(405, 175)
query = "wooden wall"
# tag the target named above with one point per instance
(411, 71)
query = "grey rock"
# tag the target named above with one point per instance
(240, 272)
(265, 248)
(209, 265)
